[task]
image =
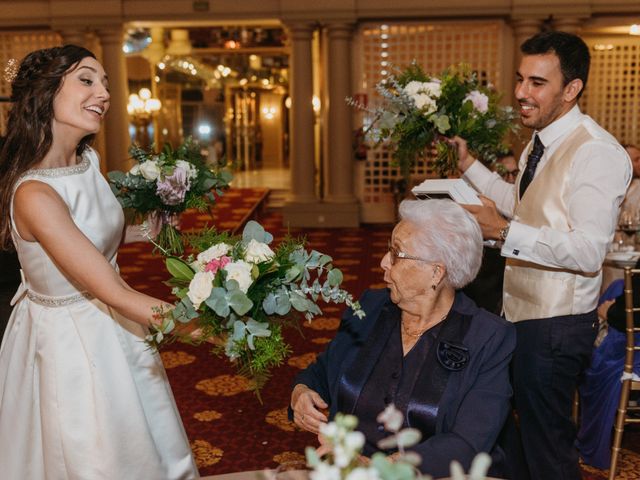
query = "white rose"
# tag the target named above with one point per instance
(215, 251)
(412, 87)
(258, 252)
(150, 170)
(432, 89)
(200, 288)
(135, 170)
(424, 102)
(191, 170)
(240, 271)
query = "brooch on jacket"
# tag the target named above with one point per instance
(453, 357)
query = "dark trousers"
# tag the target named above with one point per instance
(550, 358)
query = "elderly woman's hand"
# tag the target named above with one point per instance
(306, 405)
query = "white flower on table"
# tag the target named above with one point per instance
(212, 253)
(150, 170)
(479, 100)
(200, 288)
(240, 271)
(258, 252)
(135, 170)
(362, 473)
(324, 471)
(391, 418)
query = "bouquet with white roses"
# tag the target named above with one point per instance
(420, 109)
(165, 184)
(344, 460)
(243, 290)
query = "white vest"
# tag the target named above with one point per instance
(533, 291)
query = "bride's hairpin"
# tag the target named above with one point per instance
(11, 70)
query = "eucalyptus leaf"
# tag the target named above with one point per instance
(407, 437)
(312, 457)
(283, 304)
(269, 304)
(239, 302)
(218, 302)
(254, 231)
(293, 273)
(299, 302)
(335, 277)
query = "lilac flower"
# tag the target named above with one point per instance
(479, 100)
(174, 187)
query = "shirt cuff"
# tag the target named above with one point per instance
(520, 241)
(478, 175)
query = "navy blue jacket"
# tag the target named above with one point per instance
(476, 399)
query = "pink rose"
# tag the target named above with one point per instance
(217, 263)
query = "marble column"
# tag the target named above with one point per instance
(73, 36)
(568, 24)
(340, 123)
(302, 116)
(117, 119)
(524, 29)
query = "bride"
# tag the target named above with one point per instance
(81, 396)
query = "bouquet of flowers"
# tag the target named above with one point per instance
(420, 109)
(165, 184)
(344, 460)
(241, 291)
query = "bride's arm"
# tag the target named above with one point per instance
(42, 216)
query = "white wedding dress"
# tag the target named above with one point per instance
(81, 396)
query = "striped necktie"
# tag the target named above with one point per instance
(532, 163)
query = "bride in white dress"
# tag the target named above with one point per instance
(81, 396)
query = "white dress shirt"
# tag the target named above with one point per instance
(600, 174)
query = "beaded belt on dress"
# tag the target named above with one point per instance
(47, 301)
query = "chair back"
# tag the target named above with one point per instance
(630, 309)
(629, 381)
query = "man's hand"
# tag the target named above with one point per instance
(487, 215)
(306, 405)
(464, 157)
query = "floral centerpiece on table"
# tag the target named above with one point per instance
(344, 460)
(165, 184)
(243, 290)
(419, 109)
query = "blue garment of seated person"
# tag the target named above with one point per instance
(600, 391)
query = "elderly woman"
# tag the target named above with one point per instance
(423, 346)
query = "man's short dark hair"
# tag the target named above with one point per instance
(571, 50)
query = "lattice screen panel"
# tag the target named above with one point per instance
(435, 46)
(16, 45)
(612, 96)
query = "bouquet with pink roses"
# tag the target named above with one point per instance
(241, 291)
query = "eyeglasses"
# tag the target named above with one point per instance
(396, 254)
(511, 173)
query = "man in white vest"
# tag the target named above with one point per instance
(561, 216)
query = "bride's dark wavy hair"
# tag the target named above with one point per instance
(29, 135)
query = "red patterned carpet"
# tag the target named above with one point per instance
(228, 428)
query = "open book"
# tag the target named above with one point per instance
(455, 189)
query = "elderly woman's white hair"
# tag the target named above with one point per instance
(447, 234)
